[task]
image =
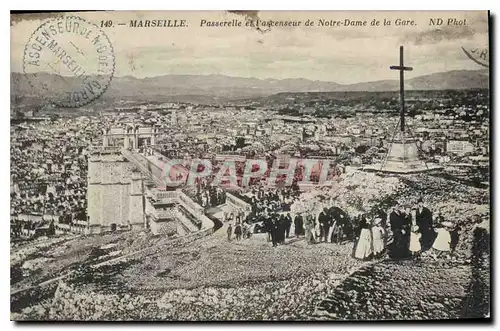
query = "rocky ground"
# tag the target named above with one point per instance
(209, 278)
(137, 276)
(322, 283)
(281, 300)
(402, 290)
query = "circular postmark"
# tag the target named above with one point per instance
(69, 60)
(480, 55)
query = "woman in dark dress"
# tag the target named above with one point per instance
(400, 226)
(299, 225)
(237, 230)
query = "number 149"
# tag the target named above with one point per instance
(106, 24)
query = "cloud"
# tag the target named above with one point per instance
(454, 26)
(342, 54)
(438, 35)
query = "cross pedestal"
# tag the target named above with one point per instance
(403, 150)
(403, 158)
(402, 155)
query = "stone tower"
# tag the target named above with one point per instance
(114, 192)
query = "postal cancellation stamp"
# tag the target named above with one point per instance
(79, 54)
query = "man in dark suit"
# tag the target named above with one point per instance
(268, 225)
(288, 219)
(424, 222)
(299, 225)
(274, 229)
(324, 221)
(400, 228)
(281, 229)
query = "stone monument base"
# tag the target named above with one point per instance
(402, 159)
(402, 168)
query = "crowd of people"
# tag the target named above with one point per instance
(270, 213)
(30, 227)
(276, 226)
(266, 201)
(402, 232)
(242, 228)
(405, 232)
(210, 196)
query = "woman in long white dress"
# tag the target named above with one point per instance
(415, 246)
(364, 246)
(310, 229)
(378, 237)
(442, 243)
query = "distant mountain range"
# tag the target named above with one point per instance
(223, 88)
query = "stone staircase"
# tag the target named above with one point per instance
(142, 164)
(186, 222)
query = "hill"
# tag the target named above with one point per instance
(219, 88)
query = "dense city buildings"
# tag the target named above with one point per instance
(50, 157)
(103, 174)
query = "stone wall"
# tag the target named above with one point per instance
(164, 227)
(237, 205)
(114, 193)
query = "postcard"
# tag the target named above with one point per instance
(250, 166)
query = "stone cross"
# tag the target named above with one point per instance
(401, 69)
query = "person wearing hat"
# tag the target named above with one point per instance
(378, 237)
(400, 226)
(415, 246)
(324, 221)
(274, 229)
(438, 219)
(424, 221)
(310, 231)
(364, 245)
(229, 232)
(288, 219)
(268, 225)
(281, 228)
(299, 225)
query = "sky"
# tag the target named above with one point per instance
(341, 54)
